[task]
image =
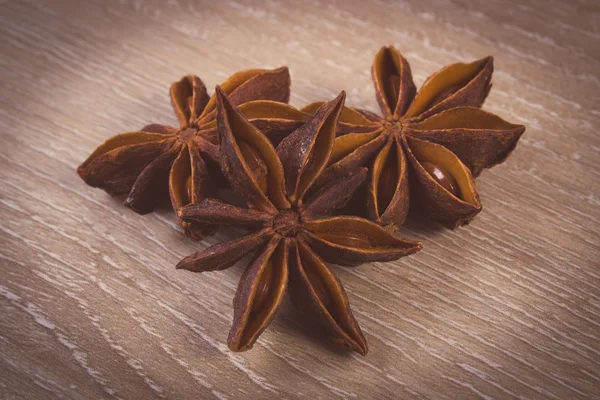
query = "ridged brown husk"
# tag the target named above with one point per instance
(161, 161)
(289, 232)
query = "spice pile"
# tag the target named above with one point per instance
(324, 184)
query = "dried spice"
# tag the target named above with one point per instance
(161, 161)
(427, 147)
(423, 153)
(290, 234)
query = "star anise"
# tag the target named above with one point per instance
(160, 161)
(428, 144)
(290, 235)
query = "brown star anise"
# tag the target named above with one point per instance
(429, 143)
(289, 234)
(160, 161)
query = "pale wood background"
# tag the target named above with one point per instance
(92, 307)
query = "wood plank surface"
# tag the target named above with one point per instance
(92, 307)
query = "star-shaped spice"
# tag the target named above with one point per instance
(290, 235)
(427, 146)
(160, 161)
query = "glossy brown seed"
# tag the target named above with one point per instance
(188, 188)
(442, 177)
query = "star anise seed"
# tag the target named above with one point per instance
(427, 147)
(289, 234)
(160, 161)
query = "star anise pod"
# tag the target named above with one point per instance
(427, 144)
(290, 235)
(161, 161)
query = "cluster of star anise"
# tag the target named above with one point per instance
(296, 169)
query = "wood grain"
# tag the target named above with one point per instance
(92, 307)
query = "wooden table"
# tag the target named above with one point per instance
(92, 307)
